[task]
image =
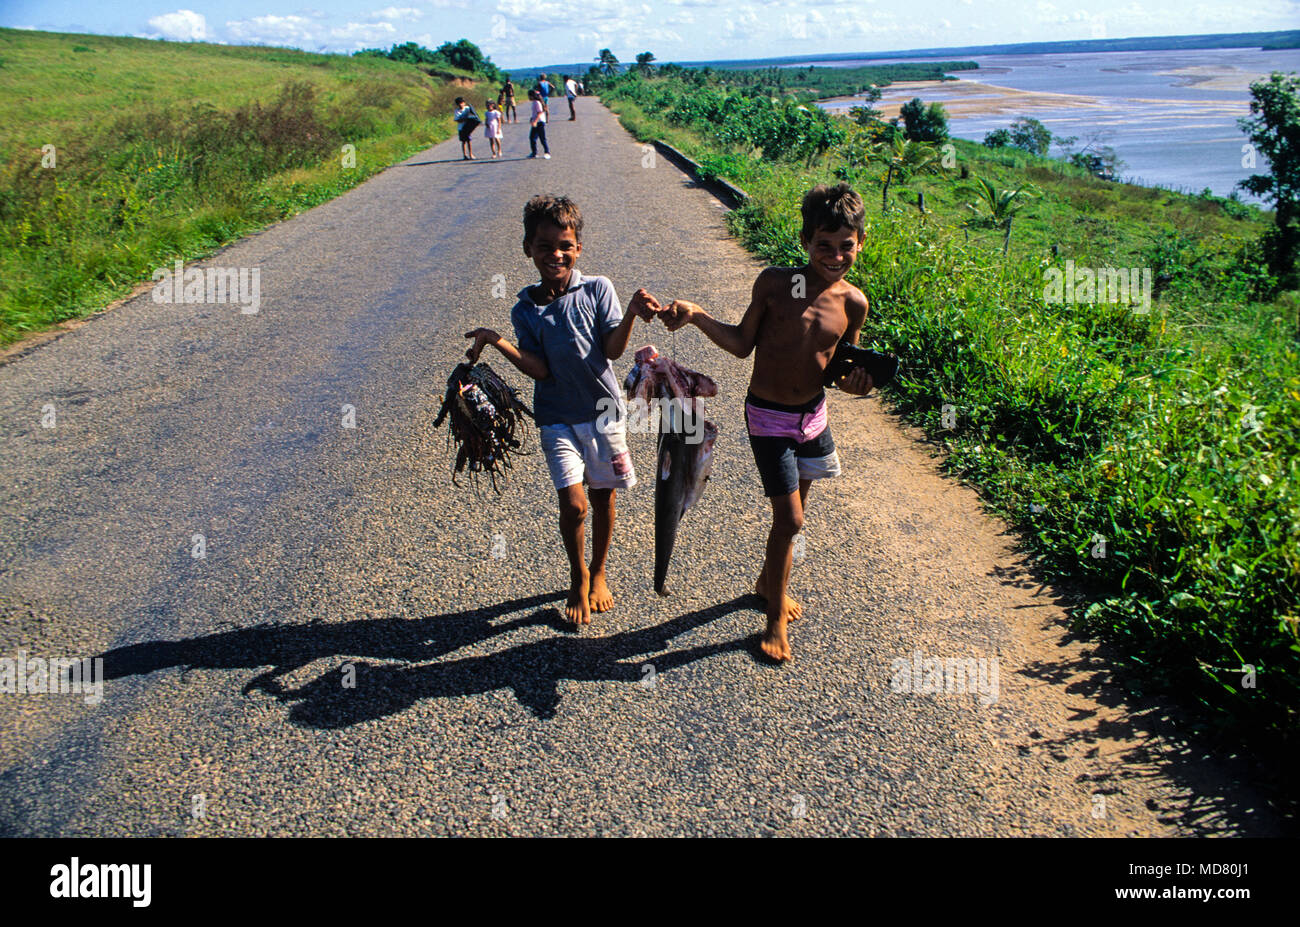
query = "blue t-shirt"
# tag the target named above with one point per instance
(569, 332)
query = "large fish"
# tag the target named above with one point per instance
(685, 449)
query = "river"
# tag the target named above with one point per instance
(1171, 116)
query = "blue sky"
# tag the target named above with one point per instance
(518, 33)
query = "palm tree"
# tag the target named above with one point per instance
(608, 63)
(644, 63)
(999, 206)
(905, 158)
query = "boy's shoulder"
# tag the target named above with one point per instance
(775, 272)
(775, 277)
(593, 285)
(852, 295)
(598, 283)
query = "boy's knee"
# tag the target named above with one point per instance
(787, 524)
(573, 509)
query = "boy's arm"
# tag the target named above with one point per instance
(736, 339)
(643, 305)
(855, 307)
(616, 340)
(857, 383)
(532, 364)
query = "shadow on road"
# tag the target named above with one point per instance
(476, 160)
(532, 670)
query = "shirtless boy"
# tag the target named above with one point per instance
(796, 318)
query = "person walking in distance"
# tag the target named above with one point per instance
(571, 92)
(544, 91)
(508, 110)
(492, 127)
(538, 123)
(469, 121)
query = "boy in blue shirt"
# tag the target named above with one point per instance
(569, 328)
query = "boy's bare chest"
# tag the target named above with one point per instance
(816, 326)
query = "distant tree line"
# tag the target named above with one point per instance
(463, 55)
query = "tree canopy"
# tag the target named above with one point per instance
(1274, 129)
(462, 54)
(923, 123)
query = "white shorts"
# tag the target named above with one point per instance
(582, 451)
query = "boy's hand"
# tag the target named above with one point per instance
(481, 336)
(644, 305)
(858, 382)
(679, 313)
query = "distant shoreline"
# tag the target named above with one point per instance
(977, 99)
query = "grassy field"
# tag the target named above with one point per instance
(122, 154)
(1151, 456)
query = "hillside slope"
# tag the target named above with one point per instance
(119, 155)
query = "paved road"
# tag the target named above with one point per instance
(333, 551)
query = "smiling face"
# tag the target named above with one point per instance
(554, 251)
(832, 253)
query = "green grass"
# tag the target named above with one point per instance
(171, 150)
(1171, 437)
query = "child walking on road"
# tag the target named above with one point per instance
(508, 110)
(571, 94)
(544, 92)
(469, 121)
(569, 327)
(796, 318)
(492, 128)
(538, 123)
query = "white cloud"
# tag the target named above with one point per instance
(361, 35)
(275, 30)
(304, 32)
(397, 12)
(743, 24)
(181, 26)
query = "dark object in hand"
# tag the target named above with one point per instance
(486, 421)
(849, 357)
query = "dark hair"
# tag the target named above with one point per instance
(458, 99)
(558, 210)
(829, 209)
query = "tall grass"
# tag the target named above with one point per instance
(137, 182)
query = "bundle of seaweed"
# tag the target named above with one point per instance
(485, 417)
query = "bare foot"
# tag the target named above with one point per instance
(577, 610)
(791, 610)
(601, 599)
(775, 643)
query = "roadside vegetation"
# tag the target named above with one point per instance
(1149, 452)
(119, 155)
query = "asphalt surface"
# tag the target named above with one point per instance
(345, 555)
